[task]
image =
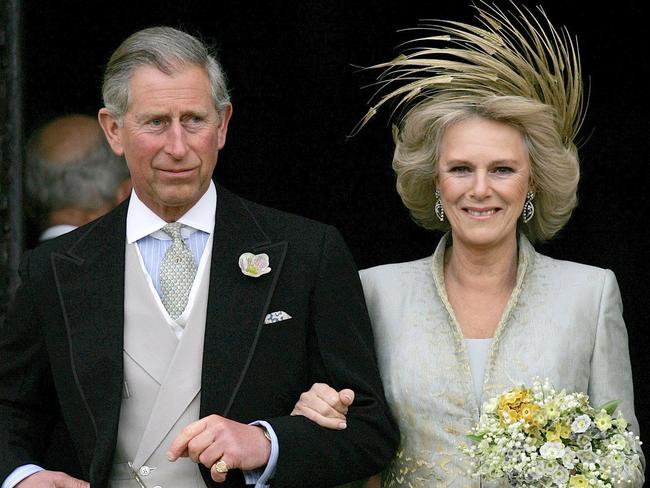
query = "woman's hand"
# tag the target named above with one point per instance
(325, 406)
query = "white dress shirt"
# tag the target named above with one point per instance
(55, 231)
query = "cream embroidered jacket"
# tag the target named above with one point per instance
(563, 322)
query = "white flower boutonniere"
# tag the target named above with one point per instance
(254, 265)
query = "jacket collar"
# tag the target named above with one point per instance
(525, 258)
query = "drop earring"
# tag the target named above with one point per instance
(529, 208)
(440, 212)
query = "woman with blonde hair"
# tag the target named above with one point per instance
(485, 151)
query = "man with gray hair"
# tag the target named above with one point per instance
(174, 335)
(72, 175)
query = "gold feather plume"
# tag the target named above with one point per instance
(509, 53)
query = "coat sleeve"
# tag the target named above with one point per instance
(342, 355)
(28, 403)
(611, 371)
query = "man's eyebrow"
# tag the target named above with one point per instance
(144, 116)
(197, 111)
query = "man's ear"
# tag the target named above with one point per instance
(112, 130)
(222, 130)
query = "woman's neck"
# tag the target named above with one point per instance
(493, 268)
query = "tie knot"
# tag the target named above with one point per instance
(173, 230)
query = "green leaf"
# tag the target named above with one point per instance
(609, 407)
(475, 438)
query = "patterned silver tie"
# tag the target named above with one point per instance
(177, 271)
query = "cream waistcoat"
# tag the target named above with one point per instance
(162, 381)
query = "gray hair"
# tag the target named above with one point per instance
(167, 50)
(88, 182)
(554, 164)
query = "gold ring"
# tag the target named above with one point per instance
(221, 466)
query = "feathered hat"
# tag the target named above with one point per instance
(510, 53)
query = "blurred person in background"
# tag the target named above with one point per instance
(72, 175)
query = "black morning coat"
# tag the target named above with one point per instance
(61, 346)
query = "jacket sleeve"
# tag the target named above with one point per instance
(611, 371)
(28, 403)
(342, 355)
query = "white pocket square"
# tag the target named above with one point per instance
(278, 316)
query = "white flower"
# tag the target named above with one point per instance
(616, 459)
(620, 422)
(569, 459)
(618, 442)
(560, 475)
(586, 456)
(570, 403)
(583, 441)
(581, 424)
(549, 465)
(254, 265)
(491, 405)
(552, 450)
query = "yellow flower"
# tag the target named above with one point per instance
(558, 432)
(551, 410)
(514, 396)
(578, 481)
(527, 411)
(508, 416)
(565, 430)
(603, 421)
(512, 404)
(553, 435)
(540, 419)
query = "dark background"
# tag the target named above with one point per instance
(297, 93)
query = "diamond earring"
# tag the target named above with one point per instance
(440, 212)
(529, 208)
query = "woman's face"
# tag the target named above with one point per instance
(483, 178)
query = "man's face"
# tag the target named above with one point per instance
(170, 136)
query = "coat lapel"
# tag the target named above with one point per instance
(90, 283)
(237, 304)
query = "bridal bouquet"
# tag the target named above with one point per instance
(539, 437)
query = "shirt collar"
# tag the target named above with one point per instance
(141, 221)
(56, 231)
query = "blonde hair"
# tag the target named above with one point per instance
(509, 69)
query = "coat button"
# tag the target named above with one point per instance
(144, 471)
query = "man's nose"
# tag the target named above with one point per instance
(176, 145)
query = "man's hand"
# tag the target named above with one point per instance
(215, 438)
(52, 479)
(325, 406)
